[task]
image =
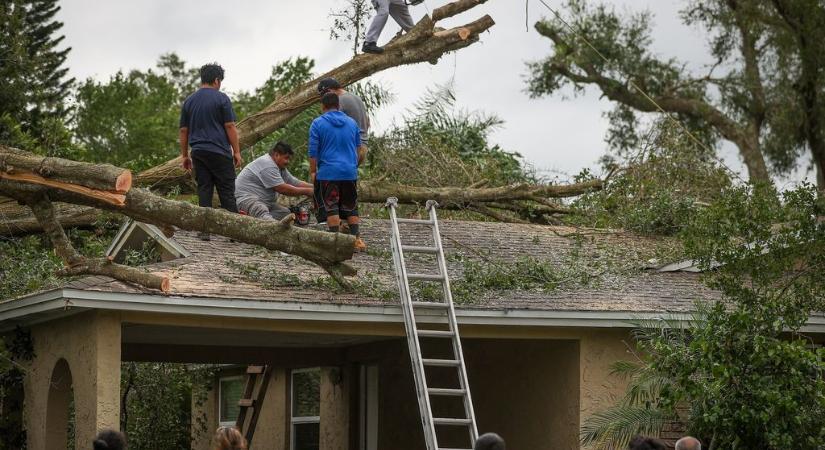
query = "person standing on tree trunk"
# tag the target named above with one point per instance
(207, 125)
(354, 107)
(399, 11)
(333, 161)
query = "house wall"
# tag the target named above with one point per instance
(89, 343)
(534, 391)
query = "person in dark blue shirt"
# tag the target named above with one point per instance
(207, 125)
(334, 139)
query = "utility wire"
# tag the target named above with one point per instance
(641, 91)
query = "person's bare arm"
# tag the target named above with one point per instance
(232, 134)
(184, 149)
(313, 169)
(294, 191)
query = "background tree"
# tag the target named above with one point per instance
(741, 374)
(131, 120)
(748, 104)
(32, 69)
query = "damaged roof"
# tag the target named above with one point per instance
(598, 270)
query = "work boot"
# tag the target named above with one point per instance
(372, 47)
(360, 245)
(204, 236)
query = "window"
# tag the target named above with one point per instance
(368, 417)
(230, 390)
(306, 409)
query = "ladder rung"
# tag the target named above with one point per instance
(416, 221)
(255, 369)
(246, 402)
(437, 305)
(441, 362)
(419, 249)
(448, 421)
(425, 277)
(435, 333)
(443, 448)
(446, 392)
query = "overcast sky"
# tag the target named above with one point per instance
(249, 36)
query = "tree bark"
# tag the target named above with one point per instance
(421, 44)
(30, 168)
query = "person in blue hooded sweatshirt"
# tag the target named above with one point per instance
(334, 139)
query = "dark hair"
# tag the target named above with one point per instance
(109, 440)
(281, 148)
(330, 101)
(646, 443)
(490, 441)
(210, 72)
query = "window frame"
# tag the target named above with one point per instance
(221, 422)
(301, 419)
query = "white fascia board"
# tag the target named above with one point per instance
(59, 301)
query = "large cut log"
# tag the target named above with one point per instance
(27, 167)
(423, 43)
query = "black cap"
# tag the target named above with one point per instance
(328, 84)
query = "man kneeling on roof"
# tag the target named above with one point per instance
(260, 183)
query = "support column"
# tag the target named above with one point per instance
(89, 344)
(335, 408)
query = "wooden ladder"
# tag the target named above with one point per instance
(257, 376)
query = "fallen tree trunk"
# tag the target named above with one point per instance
(27, 167)
(329, 250)
(421, 44)
(378, 191)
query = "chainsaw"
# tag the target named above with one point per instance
(301, 213)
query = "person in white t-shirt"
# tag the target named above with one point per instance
(262, 181)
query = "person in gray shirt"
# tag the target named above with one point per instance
(354, 107)
(260, 183)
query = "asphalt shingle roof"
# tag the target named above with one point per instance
(614, 262)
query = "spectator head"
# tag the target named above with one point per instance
(489, 441)
(688, 443)
(229, 438)
(281, 152)
(646, 443)
(212, 74)
(330, 102)
(329, 85)
(109, 440)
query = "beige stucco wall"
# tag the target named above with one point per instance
(90, 344)
(599, 349)
(271, 432)
(205, 412)
(335, 408)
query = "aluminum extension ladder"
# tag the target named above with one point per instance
(445, 307)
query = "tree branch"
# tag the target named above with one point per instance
(75, 263)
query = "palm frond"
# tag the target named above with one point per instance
(614, 427)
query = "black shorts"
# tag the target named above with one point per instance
(340, 198)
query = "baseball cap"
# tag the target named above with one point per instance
(327, 84)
